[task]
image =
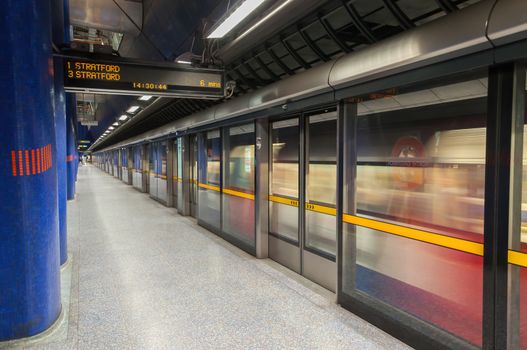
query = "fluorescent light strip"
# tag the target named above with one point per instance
(115, 124)
(146, 97)
(111, 128)
(183, 62)
(244, 10)
(123, 117)
(133, 109)
(271, 14)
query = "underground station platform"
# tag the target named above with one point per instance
(263, 174)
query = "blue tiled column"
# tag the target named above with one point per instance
(71, 148)
(60, 36)
(29, 240)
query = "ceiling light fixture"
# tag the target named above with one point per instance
(111, 128)
(132, 109)
(265, 19)
(123, 117)
(146, 97)
(238, 15)
(115, 124)
(183, 62)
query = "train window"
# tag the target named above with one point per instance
(283, 184)
(415, 212)
(209, 186)
(238, 183)
(321, 182)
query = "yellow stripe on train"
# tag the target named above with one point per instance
(238, 194)
(517, 258)
(209, 187)
(418, 235)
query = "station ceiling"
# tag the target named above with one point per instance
(170, 28)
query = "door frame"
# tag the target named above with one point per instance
(309, 264)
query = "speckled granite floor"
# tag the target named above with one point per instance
(143, 277)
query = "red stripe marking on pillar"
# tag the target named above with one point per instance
(50, 156)
(13, 162)
(33, 170)
(47, 158)
(44, 161)
(26, 153)
(38, 160)
(20, 163)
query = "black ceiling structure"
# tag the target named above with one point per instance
(335, 28)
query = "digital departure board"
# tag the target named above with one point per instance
(132, 78)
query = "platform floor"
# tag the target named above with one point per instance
(144, 277)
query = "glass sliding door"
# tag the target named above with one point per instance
(179, 173)
(302, 196)
(284, 180)
(193, 163)
(209, 179)
(320, 199)
(162, 184)
(152, 178)
(138, 168)
(124, 164)
(284, 213)
(175, 172)
(238, 184)
(321, 185)
(115, 166)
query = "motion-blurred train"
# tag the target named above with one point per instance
(417, 169)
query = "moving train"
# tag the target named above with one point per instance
(424, 173)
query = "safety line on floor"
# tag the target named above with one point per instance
(418, 235)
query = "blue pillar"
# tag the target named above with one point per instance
(60, 36)
(29, 241)
(70, 145)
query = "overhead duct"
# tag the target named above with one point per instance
(122, 16)
(410, 50)
(278, 17)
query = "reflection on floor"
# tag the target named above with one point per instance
(143, 277)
